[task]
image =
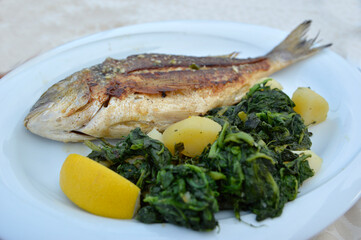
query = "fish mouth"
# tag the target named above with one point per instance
(82, 136)
(49, 122)
(56, 134)
(72, 136)
(81, 133)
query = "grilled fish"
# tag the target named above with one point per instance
(110, 99)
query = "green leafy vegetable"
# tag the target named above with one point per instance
(250, 167)
(257, 179)
(137, 157)
(268, 115)
(182, 195)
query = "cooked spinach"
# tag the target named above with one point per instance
(250, 167)
(268, 115)
(137, 157)
(256, 178)
(182, 195)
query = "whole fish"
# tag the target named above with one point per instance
(110, 99)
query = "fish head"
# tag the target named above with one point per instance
(63, 109)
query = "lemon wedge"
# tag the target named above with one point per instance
(97, 189)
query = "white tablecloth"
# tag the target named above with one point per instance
(28, 28)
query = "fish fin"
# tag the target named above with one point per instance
(296, 46)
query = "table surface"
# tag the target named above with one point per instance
(29, 28)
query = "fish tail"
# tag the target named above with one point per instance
(296, 46)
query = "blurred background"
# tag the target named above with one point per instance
(29, 28)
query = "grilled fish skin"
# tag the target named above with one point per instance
(154, 90)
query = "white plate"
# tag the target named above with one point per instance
(32, 205)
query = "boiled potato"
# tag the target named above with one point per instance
(194, 132)
(274, 84)
(314, 161)
(312, 107)
(155, 134)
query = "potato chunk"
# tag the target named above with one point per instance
(314, 161)
(194, 132)
(312, 107)
(155, 134)
(274, 84)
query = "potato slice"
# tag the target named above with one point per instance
(194, 132)
(312, 107)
